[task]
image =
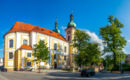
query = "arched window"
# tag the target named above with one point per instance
(25, 42)
(55, 46)
(11, 43)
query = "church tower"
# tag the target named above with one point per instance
(71, 27)
(70, 30)
(56, 27)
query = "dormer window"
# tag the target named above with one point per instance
(25, 42)
(42, 29)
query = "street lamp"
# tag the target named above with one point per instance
(104, 45)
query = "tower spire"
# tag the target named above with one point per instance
(71, 16)
(56, 24)
(56, 27)
(71, 23)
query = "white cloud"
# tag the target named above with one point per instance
(124, 50)
(94, 38)
(1, 49)
(128, 41)
(63, 27)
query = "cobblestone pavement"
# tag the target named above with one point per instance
(60, 75)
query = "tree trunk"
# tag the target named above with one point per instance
(39, 66)
(115, 59)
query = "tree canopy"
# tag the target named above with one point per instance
(41, 52)
(111, 35)
(88, 53)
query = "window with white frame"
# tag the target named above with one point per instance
(61, 47)
(25, 42)
(11, 43)
(55, 56)
(65, 58)
(65, 49)
(10, 55)
(29, 54)
(29, 63)
(55, 46)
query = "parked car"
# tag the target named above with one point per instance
(2, 69)
(87, 72)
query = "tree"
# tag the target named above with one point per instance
(111, 35)
(94, 54)
(41, 52)
(88, 53)
(81, 38)
(107, 62)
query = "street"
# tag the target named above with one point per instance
(60, 75)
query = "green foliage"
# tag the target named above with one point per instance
(126, 67)
(41, 52)
(108, 62)
(111, 35)
(88, 53)
(93, 54)
(81, 39)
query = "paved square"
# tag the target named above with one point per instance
(60, 75)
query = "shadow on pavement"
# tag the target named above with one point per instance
(76, 76)
(64, 76)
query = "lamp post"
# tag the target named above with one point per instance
(120, 63)
(104, 43)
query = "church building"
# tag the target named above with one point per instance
(19, 42)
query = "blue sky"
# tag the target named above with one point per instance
(88, 14)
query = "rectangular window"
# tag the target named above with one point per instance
(10, 55)
(29, 54)
(25, 42)
(11, 43)
(55, 56)
(55, 46)
(65, 49)
(61, 47)
(29, 64)
(68, 37)
(64, 57)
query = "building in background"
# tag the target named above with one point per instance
(1, 61)
(19, 41)
(127, 59)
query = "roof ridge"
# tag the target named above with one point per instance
(22, 27)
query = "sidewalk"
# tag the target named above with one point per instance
(45, 71)
(3, 78)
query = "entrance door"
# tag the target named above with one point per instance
(55, 65)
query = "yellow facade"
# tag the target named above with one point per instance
(27, 36)
(17, 61)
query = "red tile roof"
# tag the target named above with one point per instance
(24, 27)
(26, 47)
